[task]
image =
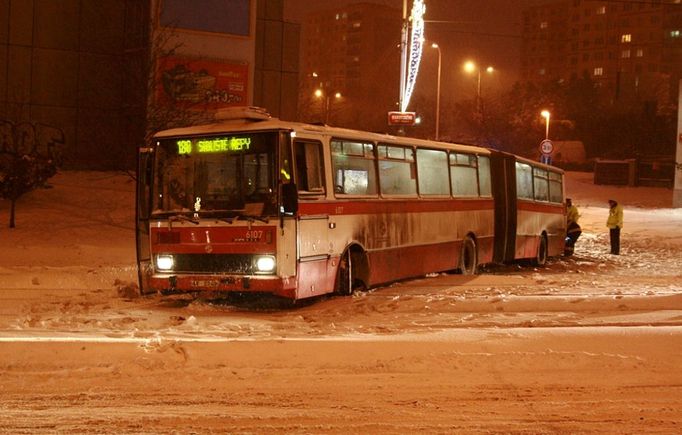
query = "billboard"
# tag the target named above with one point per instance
(212, 84)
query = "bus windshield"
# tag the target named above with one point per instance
(227, 175)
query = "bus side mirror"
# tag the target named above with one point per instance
(289, 199)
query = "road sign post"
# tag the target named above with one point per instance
(546, 150)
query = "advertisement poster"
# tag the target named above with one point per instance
(210, 83)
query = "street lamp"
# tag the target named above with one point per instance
(471, 67)
(319, 93)
(545, 114)
(434, 45)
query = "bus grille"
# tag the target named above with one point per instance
(214, 263)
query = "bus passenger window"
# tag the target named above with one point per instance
(556, 191)
(432, 171)
(397, 172)
(484, 176)
(540, 184)
(309, 167)
(463, 174)
(353, 166)
(524, 181)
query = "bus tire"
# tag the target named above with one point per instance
(468, 260)
(347, 281)
(541, 256)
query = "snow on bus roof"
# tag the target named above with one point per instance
(254, 119)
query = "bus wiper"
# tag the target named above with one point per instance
(182, 218)
(253, 218)
(229, 220)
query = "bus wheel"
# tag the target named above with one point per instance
(468, 260)
(347, 281)
(541, 256)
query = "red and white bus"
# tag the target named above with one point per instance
(251, 203)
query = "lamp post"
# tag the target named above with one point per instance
(471, 67)
(319, 93)
(545, 114)
(434, 45)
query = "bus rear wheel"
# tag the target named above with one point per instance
(541, 256)
(347, 281)
(468, 260)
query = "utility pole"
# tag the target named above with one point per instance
(677, 192)
(403, 56)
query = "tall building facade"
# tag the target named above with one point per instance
(63, 69)
(217, 53)
(350, 66)
(632, 50)
(89, 69)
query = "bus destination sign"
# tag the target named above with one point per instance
(214, 145)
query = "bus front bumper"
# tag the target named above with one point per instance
(276, 285)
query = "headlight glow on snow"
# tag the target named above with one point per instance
(164, 262)
(265, 264)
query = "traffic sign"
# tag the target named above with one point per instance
(546, 146)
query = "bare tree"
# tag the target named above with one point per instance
(29, 156)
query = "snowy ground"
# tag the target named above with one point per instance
(590, 344)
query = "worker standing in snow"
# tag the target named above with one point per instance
(573, 230)
(615, 223)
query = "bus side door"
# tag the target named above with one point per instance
(313, 224)
(143, 209)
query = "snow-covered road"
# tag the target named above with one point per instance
(588, 344)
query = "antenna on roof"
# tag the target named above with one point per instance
(241, 112)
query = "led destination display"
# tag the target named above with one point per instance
(214, 145)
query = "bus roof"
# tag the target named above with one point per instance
(243, 119)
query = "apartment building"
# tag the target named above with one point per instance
(350, 65)
(631, 49)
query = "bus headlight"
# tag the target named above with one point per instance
(265, 264)
(164, 262)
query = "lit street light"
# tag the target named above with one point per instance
(471, 67)
(434, 45)
(319, 93)
(545, 114)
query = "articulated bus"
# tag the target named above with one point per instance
(251, 203)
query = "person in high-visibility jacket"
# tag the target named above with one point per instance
(615, 223)
(573, 230)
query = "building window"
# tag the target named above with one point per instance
(626, 37)
(674, 33)
(601, 10)
(625, 54)
(640, 52)
(598, 72)
(543, 25)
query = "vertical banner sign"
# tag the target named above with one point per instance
(416, 46)
(210, 83)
